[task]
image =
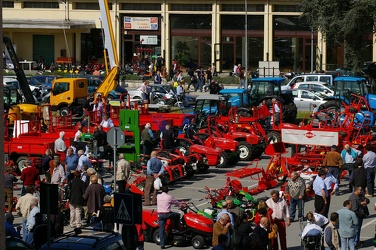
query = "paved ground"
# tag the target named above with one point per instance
(215, 178)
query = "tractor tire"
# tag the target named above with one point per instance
(234, 158)
(331, 106)
(20, 162)
(224, 160)
(244, 113)
(198, 242)
(274, 137)
(183, 148)
(156, 237)
(246, 151)
(290, 112)
(65, 111)
(202, 168)
(257, 152)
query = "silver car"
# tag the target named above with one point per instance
(304, 99)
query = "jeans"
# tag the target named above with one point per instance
(335, 171)
(241, 84)
(30, 238)
(370, 180)
(357, 230)
(24, 230)
(175, 217)
(348, 242)
(293, 204)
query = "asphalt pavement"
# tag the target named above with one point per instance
(188, 190)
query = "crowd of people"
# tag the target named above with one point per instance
(70, 167)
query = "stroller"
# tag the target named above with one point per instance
(311, 236)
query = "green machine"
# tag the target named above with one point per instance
(129, 122)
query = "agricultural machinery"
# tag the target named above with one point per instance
(251, 144)
(262, 89)
(194, 229)
(351, 94)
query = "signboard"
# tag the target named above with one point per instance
(309, 137)
(149, 40)
(115, 137)
(140, 23)
(128, 208)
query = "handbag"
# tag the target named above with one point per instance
(157, 183)
(362, 212)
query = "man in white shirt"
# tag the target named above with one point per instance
(280, 213)
(107, 122)
(34, 209)
(321, 193)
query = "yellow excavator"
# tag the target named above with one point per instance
(14, 108)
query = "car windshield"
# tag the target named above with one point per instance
(345, 88)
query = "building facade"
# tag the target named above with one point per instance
(198, 32)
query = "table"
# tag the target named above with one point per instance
(27, 62)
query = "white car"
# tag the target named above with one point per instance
(304, 99)
(308, 78)
(316, 86)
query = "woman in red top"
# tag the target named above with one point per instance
(263, 211)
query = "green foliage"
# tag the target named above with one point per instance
(183, 54)
(129, 77)
(226, 80)
(343, 21)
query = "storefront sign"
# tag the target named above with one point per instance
(141, 23)
(149, 40)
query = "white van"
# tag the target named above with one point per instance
(328, 79)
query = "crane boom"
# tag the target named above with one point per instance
(111, 80)
(21, 77)
(108, 33)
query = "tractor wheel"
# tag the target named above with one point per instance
(21, 162)
(202, 168)
(243, 113)
(257, 152)
(65, 111)
(246, 151)
(332, 106)
(198, 242)
(224, 160)
(234, 158)
(274, 137)
(183, 148)
(289, 112)
(282, 178)
(156, 237)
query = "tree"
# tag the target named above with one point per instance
(348, 22)
(183, 53)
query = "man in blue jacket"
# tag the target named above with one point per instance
(349, 156)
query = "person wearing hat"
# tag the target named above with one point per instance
(333, 161)
(147, 139)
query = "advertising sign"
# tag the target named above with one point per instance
(149, 40)
(140, 23)
(309, 137)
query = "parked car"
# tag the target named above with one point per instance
(45, 79)
(13, 243)
(304, 99)
(85, 239)
(308, 78)
(316, 86)
(154, 89)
